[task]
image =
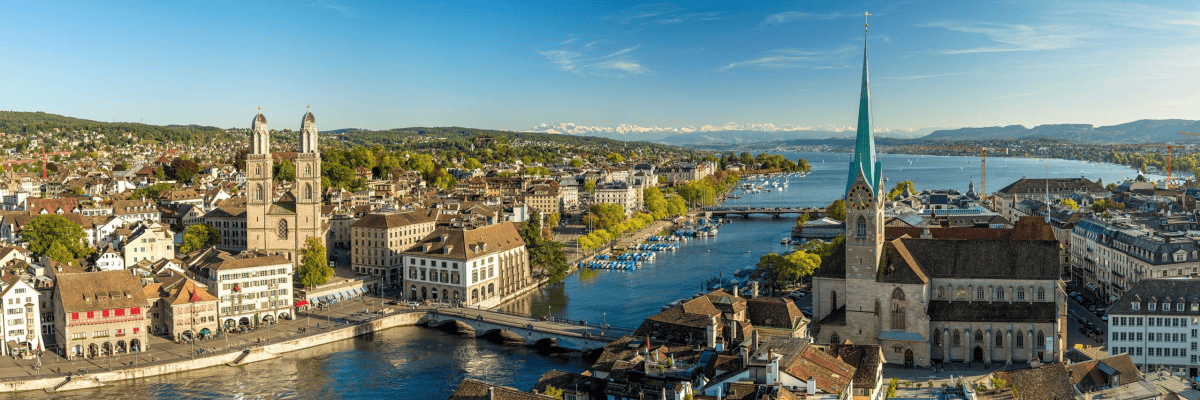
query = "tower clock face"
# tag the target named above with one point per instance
(859, 198)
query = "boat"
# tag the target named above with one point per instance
(786, 240)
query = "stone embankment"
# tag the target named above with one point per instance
(232, 358)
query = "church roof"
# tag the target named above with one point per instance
(983, 259)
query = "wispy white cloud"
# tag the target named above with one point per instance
(340, 8)
(567, 41)
(663, 13)
(792, 16)
(1013, 37)
(797, 58)
(589, 60)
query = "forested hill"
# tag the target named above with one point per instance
(392, 137)
(21, 122)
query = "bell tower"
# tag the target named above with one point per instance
(308, 184)
(260, 185)
(864, 196)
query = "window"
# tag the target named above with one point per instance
(979, 335)
(937, 337)
(1166, 307)
(999, 293)
(1041, 294)
(960, 294)
(1041, 341)
(1179, 307)
(862, 227)
(1020, 293)
(258, 191)
(833, 338)
(1020, 340)
(957, 340)
(1151, 306)
(979, 294)
(999, 340)
(282, 229)
(898, 309)
(941, 292)
(308, 191)
(1135, 305)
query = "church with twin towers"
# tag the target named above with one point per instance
(281, 226)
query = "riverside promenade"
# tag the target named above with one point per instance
(344, 320)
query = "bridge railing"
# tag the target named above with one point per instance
(587, 324)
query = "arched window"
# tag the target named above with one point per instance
(961, 293)
(956, 340)
(1041, 340)
(1020, 293)
(898, 309)
(941, 292)
(1041, 294)
(257, 170)
(1000, 293)
(833, 300)
(999, 340)
(258, 192)
(862, 227)
(979, 293)
(979, 335)
(307, 169)
(1020, 340)
(937, 337)
(282, 231)
(308, 191)
(834, 339)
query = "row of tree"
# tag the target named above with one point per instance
(602, 237)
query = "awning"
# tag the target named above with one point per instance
(301, 303)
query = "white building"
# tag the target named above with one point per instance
(620, 193)
(148, 241)
(22, 316)
(109, 260)
(252, 288)
(132, 211)
(1156, 323)
(473, 266)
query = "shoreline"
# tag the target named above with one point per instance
(57, 382)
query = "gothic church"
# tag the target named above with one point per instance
(281, 226)
(941, 295)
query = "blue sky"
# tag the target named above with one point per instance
(515, 65)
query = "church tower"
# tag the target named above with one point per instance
(308, 184)
(864, 196)
(260, 185)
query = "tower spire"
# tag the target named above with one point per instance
(864, 161)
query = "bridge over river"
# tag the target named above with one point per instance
(572, 335)
(720, 211)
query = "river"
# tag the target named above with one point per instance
(419, 363)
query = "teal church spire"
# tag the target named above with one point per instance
(864, 161)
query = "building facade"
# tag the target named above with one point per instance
(1110, 257)
(620, 193)
(252, 288)
(22, 315)
(1156, 323)
(99, 314)
(474, 267)
(148, 241)
(379, 242)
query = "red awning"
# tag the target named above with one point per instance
(301, 303)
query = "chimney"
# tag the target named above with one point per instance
(710, 334)
(735, 291)
(754, 340)
(745, 356)
(753, 289)
(491, 393)
(811, 386)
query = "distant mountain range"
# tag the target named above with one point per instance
(1142, 131)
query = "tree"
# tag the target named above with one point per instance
(1069, 204)
(836, 210)
(56, 237)
(576, 163)
(545, 254)
(615, 158)
(183, 169)
(285, 171)
(554, 392)
(314, 268)
(590, 186)
(197, 236)
(899, 188)
(472, 163)
(604, 215)
(153, 192)
(552, 220)
(802, 219)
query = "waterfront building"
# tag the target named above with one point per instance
(180, 308)
(379, 240)
(472, 266)
(1156, 323)
(924, 299)
(1108, 257)
(282, 227)
(252, 287)
(22, 315)
(99, 314)
(620, 193)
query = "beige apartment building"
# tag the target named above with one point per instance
(378, 242)
(181, 308)
(474, 267)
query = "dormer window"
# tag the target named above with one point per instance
(1166, 307)
(1135, 305)
(1179, 306)
(1152, 306)
(1195, 306)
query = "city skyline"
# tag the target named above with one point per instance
(774, 66)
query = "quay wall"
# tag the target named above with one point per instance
(58, 382)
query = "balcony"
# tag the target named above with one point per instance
(1118, 274)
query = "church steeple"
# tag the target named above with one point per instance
(864, 161)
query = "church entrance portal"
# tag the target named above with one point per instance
(908, 359)
(978, 354)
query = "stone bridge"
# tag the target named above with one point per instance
(772, 211)
(511, 327)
